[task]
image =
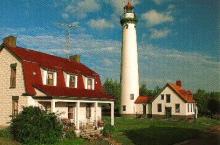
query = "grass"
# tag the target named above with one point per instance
(130, 131)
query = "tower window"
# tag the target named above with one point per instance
(132, 96)
(124, 107)
(13, 75)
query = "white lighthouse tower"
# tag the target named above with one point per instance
(129, 62)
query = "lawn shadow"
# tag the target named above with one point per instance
(160, 135)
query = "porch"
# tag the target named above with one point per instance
(82, 114)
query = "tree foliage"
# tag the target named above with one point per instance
(143, 91)
(36, 126)
(208, 102)
(113, 88)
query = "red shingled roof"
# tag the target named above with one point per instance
(72, 92)
(186, 95)
(32, 61)
(143, 100)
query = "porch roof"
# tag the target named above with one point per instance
(143, 100)
(73, 92)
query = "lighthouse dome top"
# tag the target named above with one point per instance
(129, 6)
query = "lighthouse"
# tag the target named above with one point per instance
(129, 62)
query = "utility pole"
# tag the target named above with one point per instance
(68, 27)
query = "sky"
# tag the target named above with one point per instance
(177, 39)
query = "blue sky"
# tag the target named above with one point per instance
(177, 39)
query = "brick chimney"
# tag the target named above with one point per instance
(9, 41)
(75, 58)
(179, 83)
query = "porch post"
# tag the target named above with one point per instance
(77, 114)
(53, 105)
(112, 114)
(96, 120)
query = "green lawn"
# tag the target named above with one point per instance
(130, 131)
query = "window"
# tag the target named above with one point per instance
(88, 111)
(191, 107)
(13, 75)
(70, 112)
(14, 106)
(168, 98)
(72, 81)
(159, 108)
(124, 107)
(50, 78)
(188, 107)
(132, 96)
(89, 84)
(177, 108)
(162, 96)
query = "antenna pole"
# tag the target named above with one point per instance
(68, 28)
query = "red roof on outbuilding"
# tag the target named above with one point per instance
(143, 100)
(186, 95)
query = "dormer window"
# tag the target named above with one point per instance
(50, 78)
(72, 81)
(90, 84)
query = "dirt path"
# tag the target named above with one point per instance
(210, 137)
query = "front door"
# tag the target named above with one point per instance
(168, 112)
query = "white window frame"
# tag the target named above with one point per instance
(93, 84)
(44, 76)
(177, 111)
(68, 80)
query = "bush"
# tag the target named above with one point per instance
(108, 130)
(5, 133)
(36, 126)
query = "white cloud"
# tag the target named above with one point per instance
(100, 24)
(154, 17)
(167, 65)
(157, 66)
(65, 15)
(161, 33)
(80, 8)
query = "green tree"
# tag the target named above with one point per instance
(214, 103)
(201, 98)
(112, 87)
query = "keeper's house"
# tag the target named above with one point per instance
(64, 86)
(174, 101)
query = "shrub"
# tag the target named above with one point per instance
(36, 126)
(5, 133)
(108, 130)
